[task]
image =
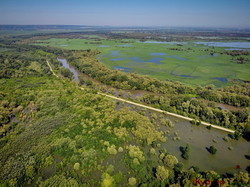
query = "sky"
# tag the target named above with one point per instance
(180, 13)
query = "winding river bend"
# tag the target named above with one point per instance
(67, 66)
(230, 153)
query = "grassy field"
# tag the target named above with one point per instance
(190, 63)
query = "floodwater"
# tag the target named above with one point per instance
(199, 138)
(223, 106)
(187, 76)
(222, 79)
(226, 44)
(66, 65)
(157, 57)
(158, 54)
(236, 49)
(115, 53)
(155, 60)
(229, 154)
(176, 57)
(159, 42)
(103, 46)
(122, 68)
(117, 59)
(125, 45)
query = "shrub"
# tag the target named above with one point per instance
(212, 150)
(170, 161)
(120, 149)
(112, 150)
(132, 181)
(152, 151)
(162, 173)
(76, 166)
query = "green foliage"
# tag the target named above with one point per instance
(59, 181)
(178, 167)
(66, 73)
(212, 150)
(48, 125)
(112, 150)
(152, 151)
(162, 173)
(120, 149)
(76, 166)
(110, 169)
(237, 135)
(107, 180)
(135, 152)
(185, 152)
(132, 181)
(48, 161)
(170, 161)
(30, 172)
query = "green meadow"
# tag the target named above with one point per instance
(185, 62)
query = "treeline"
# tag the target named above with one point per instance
(194, 108)
(239, 87)
(234, 53)
(87, 63)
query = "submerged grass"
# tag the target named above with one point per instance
(190, 63)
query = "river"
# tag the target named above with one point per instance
(67, 66)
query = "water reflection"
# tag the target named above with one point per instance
(66, 65)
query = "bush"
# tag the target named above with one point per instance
(236, 135)
(212, 150)
(120, 149)
(76, 166)
(132, 181)
(152, 151)
(107, 180)
(170, 161)
(162, 173)
(112, 150)
(178, 167)
(185, 152)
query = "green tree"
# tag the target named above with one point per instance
(132, 181)
(212, 150)
(162, 173)
(76, 166)
(178, 167)
(185, 152)
(170, 161)
(107, 181)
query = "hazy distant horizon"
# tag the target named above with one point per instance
(130, 13)
(127, 27)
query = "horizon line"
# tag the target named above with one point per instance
(130, 26)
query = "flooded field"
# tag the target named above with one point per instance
(194, 62)
(230, 153)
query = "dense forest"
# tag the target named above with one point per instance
(52, 133)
